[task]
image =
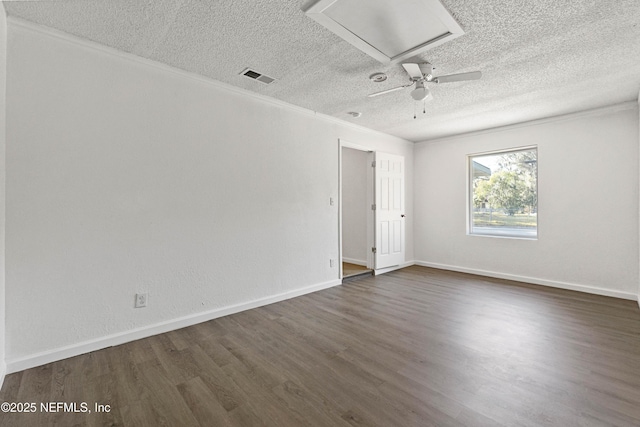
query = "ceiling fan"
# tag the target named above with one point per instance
(422, 73)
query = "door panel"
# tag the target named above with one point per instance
(389, 212)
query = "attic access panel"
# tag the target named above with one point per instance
(389, 31)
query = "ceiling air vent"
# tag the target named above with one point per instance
(252, 74)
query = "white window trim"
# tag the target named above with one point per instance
(506, 233)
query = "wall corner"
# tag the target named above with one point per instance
(3, 143)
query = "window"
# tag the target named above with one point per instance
(503, 193)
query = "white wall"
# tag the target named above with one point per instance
(588, 204)
(124, 176)
(3, 74)
(355, 166)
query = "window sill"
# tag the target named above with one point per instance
(503, 232)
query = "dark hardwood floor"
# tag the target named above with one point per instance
(415, 347)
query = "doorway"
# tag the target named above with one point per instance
(356, 214)
(371, 219)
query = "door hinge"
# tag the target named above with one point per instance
(373, 207)
(373, 164)
(373, 250)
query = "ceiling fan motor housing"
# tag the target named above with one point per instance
(427, 70)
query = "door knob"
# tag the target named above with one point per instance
(402, 215)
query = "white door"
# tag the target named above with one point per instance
(389, 210)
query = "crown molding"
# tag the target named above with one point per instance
(69, 38)
(614, 108)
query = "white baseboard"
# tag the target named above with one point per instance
(355, 261)
(533, 280)
(395, 267)
(42, 358)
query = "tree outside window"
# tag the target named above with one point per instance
(504, 193)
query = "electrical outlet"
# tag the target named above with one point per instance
(141, 300)
(332, 262)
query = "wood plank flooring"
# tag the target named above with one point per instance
(415, 347)
(352, 270)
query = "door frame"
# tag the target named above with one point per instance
(370, 198)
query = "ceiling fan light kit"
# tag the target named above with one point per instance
(422, 73)
(421, 93)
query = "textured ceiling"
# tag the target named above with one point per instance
(538, 58)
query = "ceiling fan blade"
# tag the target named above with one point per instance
(413, 70)
(474, 75)
(382, 92)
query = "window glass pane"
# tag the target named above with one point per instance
(504, 193)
